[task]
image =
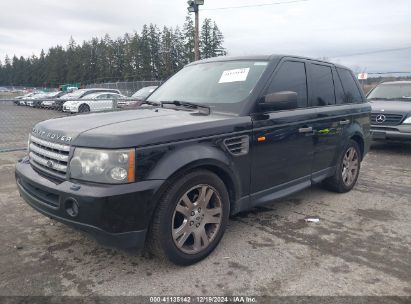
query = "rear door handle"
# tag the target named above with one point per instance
(305, 130)
(344, 122)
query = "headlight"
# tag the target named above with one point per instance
(407, 120)
(103, 166)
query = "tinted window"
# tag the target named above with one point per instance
(291, 77)
(323, 85)
(339, 92)
(351, 91)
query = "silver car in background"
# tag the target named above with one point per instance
(391, 111)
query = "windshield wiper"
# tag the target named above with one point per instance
(152, 103)
(189, 105)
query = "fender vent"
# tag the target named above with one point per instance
(238, 145)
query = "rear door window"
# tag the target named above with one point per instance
(351, 91)
(291, 76)
(322, 85)
(339, 92)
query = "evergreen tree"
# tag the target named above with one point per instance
(188, 36)
(206, 39)
(154, 42)
(148, 55)
(217, 40)
(73, 61)
(145, 54)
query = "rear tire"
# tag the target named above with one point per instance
(347, 171)
(190, 218)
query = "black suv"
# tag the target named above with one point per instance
(220, 136)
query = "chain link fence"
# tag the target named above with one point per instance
(18, 116)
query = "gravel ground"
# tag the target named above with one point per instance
(360, 246)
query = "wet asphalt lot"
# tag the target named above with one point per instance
(361, 246)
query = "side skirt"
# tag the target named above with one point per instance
(280, 191)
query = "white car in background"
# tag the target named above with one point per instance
(101, 101)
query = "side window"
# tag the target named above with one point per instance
(322, 85)
(351, 91)
(291, 76)
(102, 96)
(339, 92)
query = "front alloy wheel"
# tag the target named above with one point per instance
(197, 219)
(190, 218)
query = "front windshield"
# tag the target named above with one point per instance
(74, 94)
(92, 95)
(217, 84)
(53, 94)
(392, 91)
(144, 92)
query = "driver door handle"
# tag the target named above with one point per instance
(344, 122)
(305, 130)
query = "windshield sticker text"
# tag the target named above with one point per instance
(234, 75)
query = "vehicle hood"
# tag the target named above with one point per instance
(391, 106)
(136, 128)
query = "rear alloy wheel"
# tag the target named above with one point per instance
(350, 166)
(190, 218)
(348, 169)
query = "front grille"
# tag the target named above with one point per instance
(48, 156)
(386, 119)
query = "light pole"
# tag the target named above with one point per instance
(193, 8)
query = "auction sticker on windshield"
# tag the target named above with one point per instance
(234, 75)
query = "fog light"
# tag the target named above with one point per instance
(71, 206)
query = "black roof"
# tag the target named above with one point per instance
(262, 58)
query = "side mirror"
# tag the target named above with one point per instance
(284, 100)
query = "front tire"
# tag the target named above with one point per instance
(348, 169)
(84, 108)
(190, 218)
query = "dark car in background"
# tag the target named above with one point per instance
(37, 101)
(391, 111)
(137, 98)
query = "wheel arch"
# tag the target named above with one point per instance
(360, 141)
(355, 132)
(84, 104)
(198, 157)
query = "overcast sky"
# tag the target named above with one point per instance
(314, 28)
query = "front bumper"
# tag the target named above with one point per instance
(71, 109)
(47, 104)
(399, 132)
(115, 215)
